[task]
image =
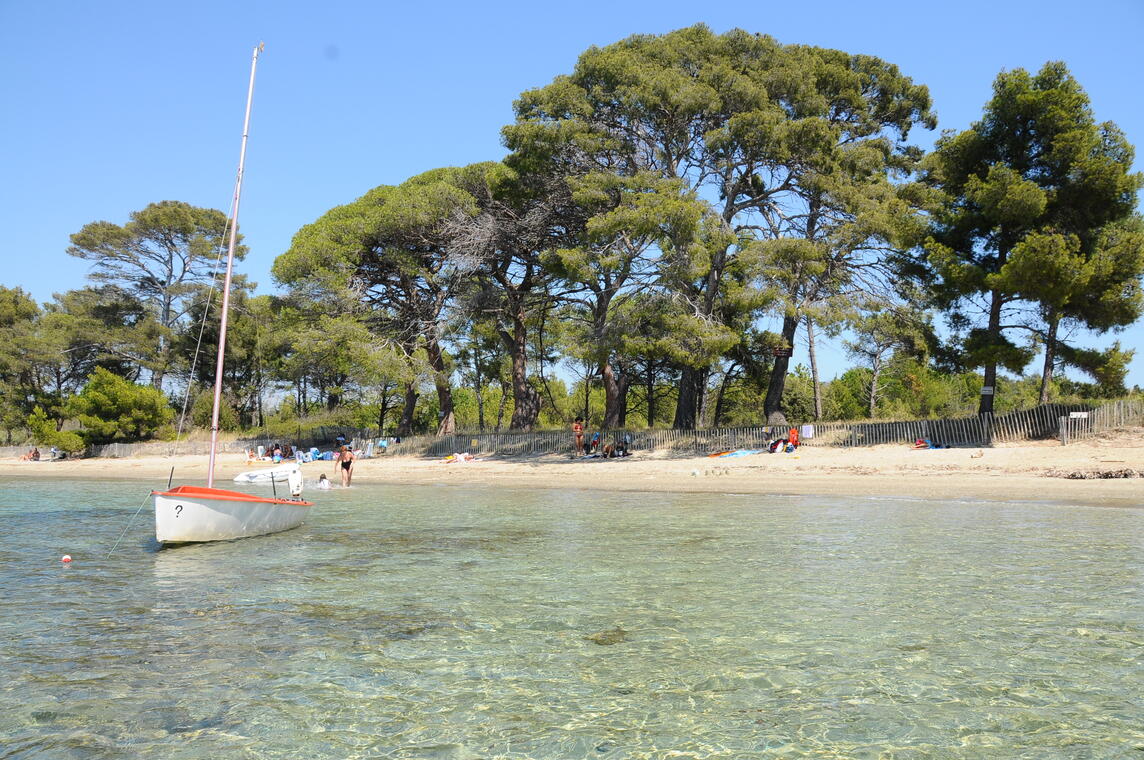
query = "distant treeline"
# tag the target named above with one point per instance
(658, 203)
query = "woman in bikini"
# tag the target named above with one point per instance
(345, 463)
(578, 435)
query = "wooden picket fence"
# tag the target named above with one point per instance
(1039, 423)
(1082, 424)
(322, 438)
(1065, 422)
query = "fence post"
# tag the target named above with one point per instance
(1063, 425)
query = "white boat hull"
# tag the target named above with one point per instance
(280, 474)
(192, 513)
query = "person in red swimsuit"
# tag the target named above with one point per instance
(578, 434)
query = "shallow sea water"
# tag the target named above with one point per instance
(454, 623)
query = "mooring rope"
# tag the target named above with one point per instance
(128, 525)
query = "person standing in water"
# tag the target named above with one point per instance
(345, 465)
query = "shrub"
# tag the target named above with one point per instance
(202, 409)
(44, 433)
(113, 409)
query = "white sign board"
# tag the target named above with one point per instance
(987, 390)
(1078, 415)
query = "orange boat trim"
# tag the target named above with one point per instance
(202, 492)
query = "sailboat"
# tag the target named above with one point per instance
(185, 514)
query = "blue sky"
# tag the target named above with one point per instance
(110, 106)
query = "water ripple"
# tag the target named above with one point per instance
(466, 623)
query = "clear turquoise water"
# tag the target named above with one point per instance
(460, 623)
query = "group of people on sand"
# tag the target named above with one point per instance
(35, 456)
(592, 446)
(276, 453)
(342, 456)
(787, 445)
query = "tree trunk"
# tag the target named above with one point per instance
(687, 405)
(873, 398)
(383, 409)
(622, 410)
(814, 369)
(718, 416)
(587, 392)
(479, 393)
(526, 401)
(615, 396)
(159, 373)
(164, 353)
(989, 385)
(704, 398)
(1054, 321)
(773, 404)
(503, 403)
(649, 380)
(448, 421)
(405, 424)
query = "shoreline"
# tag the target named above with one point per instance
(1030, 472)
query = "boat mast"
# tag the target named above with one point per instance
(229, 267)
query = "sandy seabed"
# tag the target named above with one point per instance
(1013, 473)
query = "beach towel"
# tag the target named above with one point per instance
(741, 452)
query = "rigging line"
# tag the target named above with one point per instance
(202, 330)
(128, 525)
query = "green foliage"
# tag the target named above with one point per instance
(798, 395)
(845, 397)
(44, 432)
(284, 424)
(909, 388)
(18, 385)
(1108, 368)
(110, 408)
(657, 201)
(900, 331)
(790, 147)
(1036, 209)
(160, 257)
(203, 408)
(258, 335)
(85, 329)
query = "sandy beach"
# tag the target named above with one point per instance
(1028, 472)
